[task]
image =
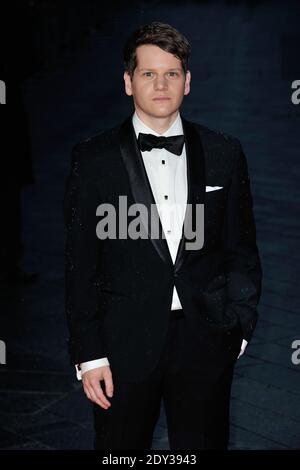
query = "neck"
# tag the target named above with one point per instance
(159, 125)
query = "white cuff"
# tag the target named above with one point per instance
(89, 365)
(243, 347)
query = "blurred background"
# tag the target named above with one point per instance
(62, 65)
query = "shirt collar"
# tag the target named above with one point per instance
(175, 129)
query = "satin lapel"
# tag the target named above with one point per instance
(195, 178)
(140, 186)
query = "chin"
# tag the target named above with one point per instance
(163, 112)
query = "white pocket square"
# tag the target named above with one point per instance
(212, 188)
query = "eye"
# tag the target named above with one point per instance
(173, 74)
(148, 74)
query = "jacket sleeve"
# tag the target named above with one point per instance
(242, 262)
(81, 254)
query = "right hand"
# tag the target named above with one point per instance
(92, 387)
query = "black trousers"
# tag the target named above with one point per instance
(193, 378)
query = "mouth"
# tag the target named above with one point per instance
(161, 98)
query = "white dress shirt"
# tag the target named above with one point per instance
(167, 176)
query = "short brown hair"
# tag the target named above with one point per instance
(159, 34)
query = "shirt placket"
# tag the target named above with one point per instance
(167, 200)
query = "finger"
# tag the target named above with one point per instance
(87, 392)
(96, 387)
(96, 400)
(109, 386)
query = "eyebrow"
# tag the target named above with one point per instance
(169, 70)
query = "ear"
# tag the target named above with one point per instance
(127, 80)
(187, 83)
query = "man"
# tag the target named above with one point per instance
(153, 317)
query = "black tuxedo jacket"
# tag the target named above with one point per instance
(119, 291)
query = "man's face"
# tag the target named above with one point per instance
(158, 83)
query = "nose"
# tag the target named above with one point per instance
(160, 83)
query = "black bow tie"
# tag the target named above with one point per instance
(173, 143)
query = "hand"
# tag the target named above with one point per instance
(92, 388)
(243, 347)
